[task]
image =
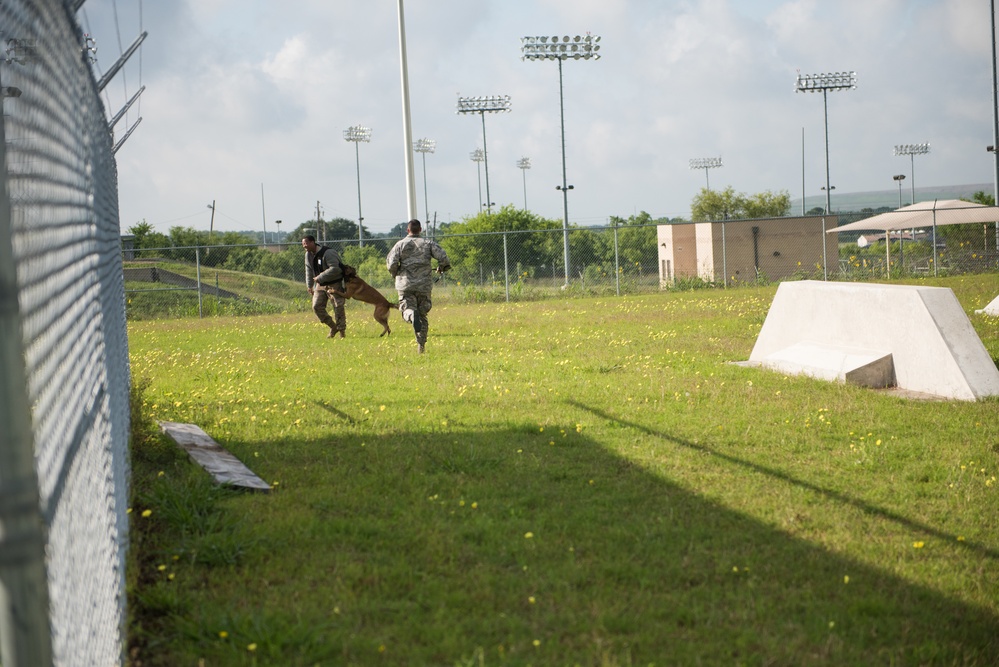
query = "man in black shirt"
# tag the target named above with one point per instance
(322, 269)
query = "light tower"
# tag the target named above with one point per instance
(524, 164)
(478, 156)
(561, 48)
(912, 150)
(898, 178)
(706, 163)
(814, 83)
(357, 134)
(482, 106)
(425, 146)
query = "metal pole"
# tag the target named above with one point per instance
(934, 237)
(360, 218)
(565, 188)
(995, 118)
(912, 176)
(724, 257)
(197, 262)
(506, 269)
(825, 116)
(617, 270)
(426, 205)
(802, 171)
(707, 180)
(407, 123)
(485, 158)
(525, 188)
(825, 260)
(263, 212)
(478, 171)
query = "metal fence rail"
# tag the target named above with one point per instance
(64, 473)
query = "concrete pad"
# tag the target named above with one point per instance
(933, 347)
(991, 309)
(221, 464)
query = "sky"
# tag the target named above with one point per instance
(246, 104)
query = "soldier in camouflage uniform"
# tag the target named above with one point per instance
(409, 264)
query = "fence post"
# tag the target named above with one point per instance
(506, 268)
(218, 297)
(617, 266)
(825, 259)
(197, 262)
(724, 258)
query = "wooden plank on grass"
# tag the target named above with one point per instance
(210, 455)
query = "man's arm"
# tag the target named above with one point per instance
(392, 261)
(309, 273)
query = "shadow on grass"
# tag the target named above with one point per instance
(521, 547)
(342, 415)
(835, 496)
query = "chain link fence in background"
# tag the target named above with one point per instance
(526, 265)
(65, 374)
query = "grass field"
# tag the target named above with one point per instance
(574, 482)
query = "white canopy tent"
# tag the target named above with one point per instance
(925, 214)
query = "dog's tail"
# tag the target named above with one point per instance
(394, 305)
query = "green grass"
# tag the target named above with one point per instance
(583, 481)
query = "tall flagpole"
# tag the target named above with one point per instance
(407, 125)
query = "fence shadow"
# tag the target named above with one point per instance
(447, 546)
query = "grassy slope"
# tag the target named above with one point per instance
(575, 482)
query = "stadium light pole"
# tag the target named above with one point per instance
(478, 156)
(425, 146)
(561, 48)
(357, 134)
(813, 83)
(482, 106)
(706, 163)
(912, 150)
(524, 164)
(898, 178)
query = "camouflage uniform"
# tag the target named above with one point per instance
(409, 264)
(326, 266)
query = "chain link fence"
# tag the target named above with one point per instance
(65, 373)
(527, 265)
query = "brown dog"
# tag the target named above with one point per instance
(356, 288)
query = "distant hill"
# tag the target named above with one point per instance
(855, 201)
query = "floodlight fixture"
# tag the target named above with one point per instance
(425, 146)
(824, 83)
(524, 164)
(912, 150)
(814, 83)
(578, 47)
(706, 163)
(483, 105)
(357, 134)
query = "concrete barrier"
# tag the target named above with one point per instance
(915, 338)
(991, 309)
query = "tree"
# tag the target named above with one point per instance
(146, 237)
(636, 241)
(474, 244)
(768, 204)
(728, 204)
(970, 237)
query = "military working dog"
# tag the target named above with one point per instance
(356, 288)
